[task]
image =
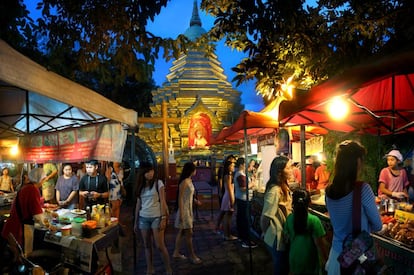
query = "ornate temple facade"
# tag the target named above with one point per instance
(198, 93)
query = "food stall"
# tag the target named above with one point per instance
(379, 98)
(77, 240)
(394, 244)
(57, 120)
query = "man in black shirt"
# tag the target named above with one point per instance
(93, 187)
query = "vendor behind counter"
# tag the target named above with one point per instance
(26, 209)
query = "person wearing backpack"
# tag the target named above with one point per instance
(151, 214)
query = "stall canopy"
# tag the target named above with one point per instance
(380, 96)
(35, 100)
(257, 124)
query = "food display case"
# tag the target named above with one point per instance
(397, 255)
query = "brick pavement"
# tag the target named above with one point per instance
(219, 256)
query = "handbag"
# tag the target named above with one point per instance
(358, 255)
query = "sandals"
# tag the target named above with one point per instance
(196, 260)
(180, 257)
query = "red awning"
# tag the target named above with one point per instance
(255, 123)
(380, 96)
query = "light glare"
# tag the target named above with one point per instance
(14, 150)
(338, 109)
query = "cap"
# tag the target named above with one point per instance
(396, 154)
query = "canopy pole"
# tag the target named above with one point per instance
(247, 193)
(302, 156)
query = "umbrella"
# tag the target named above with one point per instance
(380, 96)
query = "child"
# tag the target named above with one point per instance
(393, 180)
(305, 233)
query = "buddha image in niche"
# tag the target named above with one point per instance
(200, 131)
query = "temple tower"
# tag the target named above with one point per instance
(197, 91)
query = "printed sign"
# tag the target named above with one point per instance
(102, 142)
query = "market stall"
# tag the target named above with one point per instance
(55, 119)
(396, 252)
(380, 98)
(71, 235)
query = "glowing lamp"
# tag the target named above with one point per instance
(338, 109)
(14, 150)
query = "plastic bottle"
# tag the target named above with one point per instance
(95, 214)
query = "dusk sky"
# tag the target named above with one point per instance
(173, 21)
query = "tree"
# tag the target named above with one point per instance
(284, 38)
(101, 44)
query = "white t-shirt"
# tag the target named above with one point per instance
(150, 201)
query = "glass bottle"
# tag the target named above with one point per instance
(88, 213)
(107, 215)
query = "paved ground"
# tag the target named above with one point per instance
(219, 256)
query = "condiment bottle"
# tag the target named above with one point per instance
(88, 213)
(107, 215)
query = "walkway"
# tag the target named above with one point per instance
(219, 257)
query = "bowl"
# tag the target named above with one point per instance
(66, 230)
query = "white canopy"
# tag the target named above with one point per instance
(33, 99)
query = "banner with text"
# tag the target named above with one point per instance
(101, 142)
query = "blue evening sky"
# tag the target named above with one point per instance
(174, 20)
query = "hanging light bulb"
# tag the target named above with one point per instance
(338, 109)
(14, 150)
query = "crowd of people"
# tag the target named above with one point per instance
(290, 232)
(293, 236)
(45, 186)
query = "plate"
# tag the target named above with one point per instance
(77, 211)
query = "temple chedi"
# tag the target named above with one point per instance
(197, 93)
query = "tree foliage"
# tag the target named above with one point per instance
(101, 44)
(104, 44)
(284, 38)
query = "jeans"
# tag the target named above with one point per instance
(242, 219)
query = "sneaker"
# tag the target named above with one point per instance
(251, 244)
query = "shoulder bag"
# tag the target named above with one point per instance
(358, 255)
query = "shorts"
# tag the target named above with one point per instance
(148, 223)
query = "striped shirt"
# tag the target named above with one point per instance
(340, 212)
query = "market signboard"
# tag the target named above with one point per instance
(100, 141)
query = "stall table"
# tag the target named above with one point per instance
(79, 252)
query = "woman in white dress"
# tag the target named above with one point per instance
(184, 218)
